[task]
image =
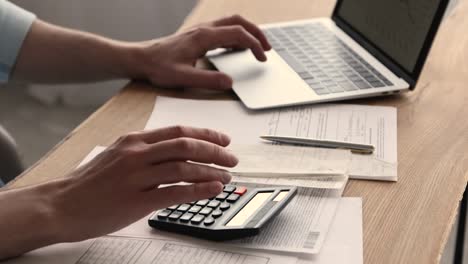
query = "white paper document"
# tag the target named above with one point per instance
(291, 165)
(134, 250)
(351, 123)
(343, 244)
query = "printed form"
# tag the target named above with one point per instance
(374, 125)
(133, 250)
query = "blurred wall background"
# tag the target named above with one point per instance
(131, 20)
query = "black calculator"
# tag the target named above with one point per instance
(237, 212)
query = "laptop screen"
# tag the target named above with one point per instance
(398, 28)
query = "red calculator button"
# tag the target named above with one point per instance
(240, 190)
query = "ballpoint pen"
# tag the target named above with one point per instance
(354, 147)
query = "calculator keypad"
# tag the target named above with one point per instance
(204, 211)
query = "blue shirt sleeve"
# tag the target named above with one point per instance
(14, 26)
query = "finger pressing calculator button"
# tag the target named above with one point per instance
(206, 211)
(197, 219)
(229, 188)
(224, 206)
(183, 207)
(163, 214)
(195, 209)
(209, 221)
(186, 217)
(214, 204)
(240, 190)
(203, 202)
(217, 213)
(232, 198)
(222, 196)
(175, 215)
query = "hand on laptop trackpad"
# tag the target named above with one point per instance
(241, 64)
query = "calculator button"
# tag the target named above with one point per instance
(206, 211)
(164, 214)
(175, 215)
(203, 202)
(229, 188)
(224, 206)
(173, 207)
(222, 196)
(197, 219)
(195, 209)
(217, 213)
(209, 221)
(183, 208)
(232, 198)
(186, 217)
(240, 191)
(214, 204)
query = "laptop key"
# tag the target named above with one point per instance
(347, 86)
(293, 63)
(362, 84)
(377, 84)
(335, 88)
(305, 75)
(321, 91)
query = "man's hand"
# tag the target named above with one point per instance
(117, 188)
(170, 61)
(123, 184)
(52, 54)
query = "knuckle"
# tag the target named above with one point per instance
(201, 33)
(128, 138)
(127, 156)
(210, 134)
(217, 151)
(185, 144)
(236, 17)
(178, 130)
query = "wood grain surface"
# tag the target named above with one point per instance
(404, 222)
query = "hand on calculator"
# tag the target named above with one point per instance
(120, 186)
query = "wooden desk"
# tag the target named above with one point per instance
(404, 222)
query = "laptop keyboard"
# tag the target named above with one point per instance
(322, 60)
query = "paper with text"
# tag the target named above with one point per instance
(134, 250)
(343, 244)
(374, 125)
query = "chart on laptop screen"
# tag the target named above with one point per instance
(398, 27)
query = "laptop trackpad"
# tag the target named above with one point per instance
(262, 84)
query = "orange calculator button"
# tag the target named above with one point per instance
(240, 190)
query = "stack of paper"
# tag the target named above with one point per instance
(351, 123)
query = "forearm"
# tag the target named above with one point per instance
(28, 219)
(52, 54)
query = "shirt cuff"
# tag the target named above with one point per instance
(15, 23)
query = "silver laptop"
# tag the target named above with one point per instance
(367, 48)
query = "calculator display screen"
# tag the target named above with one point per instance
(249, 209)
